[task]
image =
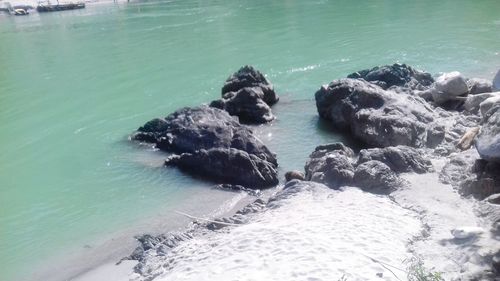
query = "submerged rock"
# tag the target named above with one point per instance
(488, 140)
(247, 76)
(399, 158)
(377, 117)
(395, 75)
(213, 145)
(203, 127)
(229, 166)
(247, 104)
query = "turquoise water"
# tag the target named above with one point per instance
(74, 84)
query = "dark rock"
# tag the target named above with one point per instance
(377, 117)
(331, 165)
(191, 129)
(399, 158)
(377, 177)
(247, 104)
(479, 86)
(488, 140)
(229, 166)
(247, 76)
(294, 175)
(395, 75)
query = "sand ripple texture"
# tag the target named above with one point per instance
(317, 234)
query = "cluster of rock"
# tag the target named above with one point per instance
(207, 141)
(376, 170)
(249, 95)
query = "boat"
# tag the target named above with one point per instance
(20, 12)
(42, 8)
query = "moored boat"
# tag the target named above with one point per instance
(41, 8)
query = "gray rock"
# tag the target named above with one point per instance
(377, 117)
(452, 83)
(496, 81)
(247, 76)
(472, 103)
(229, 166)
(489, 103)
(377, 177)
(247, 104)
(190, 129)
(471, 176)
(488, 140)
(400, 75)
(213, 145)
(297, 175)
(331, 165)
(479, 86)
(399, 158)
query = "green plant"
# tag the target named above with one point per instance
(416, 271)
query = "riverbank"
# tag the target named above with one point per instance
(308, 229)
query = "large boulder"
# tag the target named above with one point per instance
(335, 165)
(376, 177)
(247, 104)
(228, 165)
(400, 75)
(332, 165)
(449, 87)
(214, 145)
(247, 76)
(488, 140)
(377, 117)
(399, 158)
(479, 86)
(190, 129)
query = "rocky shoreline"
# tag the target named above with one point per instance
(404, 118)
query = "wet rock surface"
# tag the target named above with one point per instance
(400, 75)
(208, 138)
(377, 117)
(247, 104)
(227, 165)
(249, 77)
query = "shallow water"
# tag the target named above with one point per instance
(73, 85)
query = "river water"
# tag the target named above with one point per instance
(74, 85)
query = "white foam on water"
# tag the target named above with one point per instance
(318, 234)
